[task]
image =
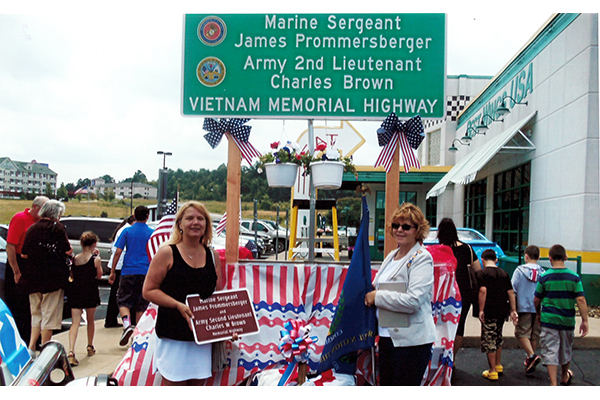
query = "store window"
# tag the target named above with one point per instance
(475, 195)
(431, 211)
(511, 209)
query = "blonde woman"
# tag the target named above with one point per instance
(184, 265)
(405, 345)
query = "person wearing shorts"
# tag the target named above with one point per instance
(524, 282)
(558, 291)
(133, 241)
(47, 310)
(496, 302)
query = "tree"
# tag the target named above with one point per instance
(139, 176)
(109, 194)
(62, 192)
(107, 178)
(49, 193)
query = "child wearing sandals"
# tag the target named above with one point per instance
(557, 292)
(82, 292)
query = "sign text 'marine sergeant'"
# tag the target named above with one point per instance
(333, 22)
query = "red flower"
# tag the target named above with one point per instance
(321, 147)
(274, 145)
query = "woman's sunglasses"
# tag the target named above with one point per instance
(405, 227)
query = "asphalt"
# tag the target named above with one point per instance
(470, 362)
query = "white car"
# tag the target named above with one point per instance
(268, 230)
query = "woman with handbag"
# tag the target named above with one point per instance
(46, 250)
(402, 295)
(467, 265)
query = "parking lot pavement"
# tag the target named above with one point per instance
(471, 362)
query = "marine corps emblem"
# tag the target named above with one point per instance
(210, 71)
(212, 31)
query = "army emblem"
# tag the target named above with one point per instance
(212, 31)
(210, 71)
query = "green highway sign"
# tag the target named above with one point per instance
(325, 66)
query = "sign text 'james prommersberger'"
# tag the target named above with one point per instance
(341, 66)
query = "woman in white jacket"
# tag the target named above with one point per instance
(403, 288)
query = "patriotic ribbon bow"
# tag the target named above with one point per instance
(236, 129)
(294, 343)
(409, 134)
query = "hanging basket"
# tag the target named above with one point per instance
(282, 174)
(327, 174)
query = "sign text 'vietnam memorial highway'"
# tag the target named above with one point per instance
(339, 66)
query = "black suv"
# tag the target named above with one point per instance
(103, 227)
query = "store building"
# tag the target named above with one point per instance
(529, 173)
(517, 156)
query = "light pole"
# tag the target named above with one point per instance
(164, 154)
(162, 185)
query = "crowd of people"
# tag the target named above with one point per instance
(42, 269)
(541, 304)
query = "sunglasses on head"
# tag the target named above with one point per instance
(405, 227)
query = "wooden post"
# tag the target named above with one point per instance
(234, 179)
(392, 198)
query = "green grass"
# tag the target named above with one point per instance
(120, 209)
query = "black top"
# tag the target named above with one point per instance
(83, 291)
(46, 268)
(464, 256)
(182, 280)
(497, 283)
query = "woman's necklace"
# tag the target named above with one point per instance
(190, 256)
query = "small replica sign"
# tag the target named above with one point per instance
(221, 315)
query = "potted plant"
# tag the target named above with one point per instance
(327, 167)
(281, 164)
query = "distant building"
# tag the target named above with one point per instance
(17, 177)
(124, 189)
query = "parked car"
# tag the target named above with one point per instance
(3, 231)
(219, 241)
(471, 236)
(103, 227)
(265, 228)
(2, 265)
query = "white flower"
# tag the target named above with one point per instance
(332, 154)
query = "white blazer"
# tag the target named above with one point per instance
(416, 302)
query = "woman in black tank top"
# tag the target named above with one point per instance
(185, 265)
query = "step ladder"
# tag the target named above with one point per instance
(299, 245)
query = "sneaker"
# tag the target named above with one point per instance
(491, 376)
(531, 363)
(127, 332)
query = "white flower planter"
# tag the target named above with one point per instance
(282, 174)
(327, 174)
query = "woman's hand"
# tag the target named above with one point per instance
(370, 298)
(186, 313)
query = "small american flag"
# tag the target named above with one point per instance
(221, 225)
(163, 231)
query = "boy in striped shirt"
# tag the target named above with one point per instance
(557, 292)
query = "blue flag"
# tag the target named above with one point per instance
(353, 326)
